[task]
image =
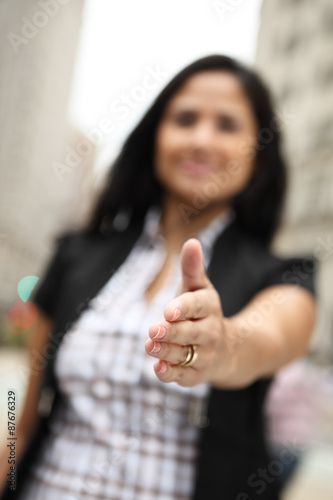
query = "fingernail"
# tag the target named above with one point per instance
(176, 314)
(156, 347)
(161, 332)
(163, 367)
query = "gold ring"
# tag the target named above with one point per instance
(191, 357)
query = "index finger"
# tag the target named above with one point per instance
(189, 305)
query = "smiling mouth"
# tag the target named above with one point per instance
(197, 168)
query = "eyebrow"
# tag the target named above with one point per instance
(192, 109)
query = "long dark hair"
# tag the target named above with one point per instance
(131, 184)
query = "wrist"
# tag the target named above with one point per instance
(228, 370)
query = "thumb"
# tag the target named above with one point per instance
(192, 265)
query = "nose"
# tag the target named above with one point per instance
(202, 137)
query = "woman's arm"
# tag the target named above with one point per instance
(38, 337)
(270, 331)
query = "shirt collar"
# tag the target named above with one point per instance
(207, 236)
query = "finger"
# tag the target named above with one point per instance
(182, 333)
(192, 266)
(184, 375)
(172, 353)
(192, 305)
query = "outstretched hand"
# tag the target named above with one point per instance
(194, 316)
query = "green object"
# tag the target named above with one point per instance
(25, 287)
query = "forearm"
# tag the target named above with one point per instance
(272, 330)
(28, 419)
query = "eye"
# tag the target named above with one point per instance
(185, 118)
(228, 123)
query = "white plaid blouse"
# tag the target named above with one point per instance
(121, 433)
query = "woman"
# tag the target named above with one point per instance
(176, 251)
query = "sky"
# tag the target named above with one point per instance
(129, 50)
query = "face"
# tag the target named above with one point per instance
(200, 156)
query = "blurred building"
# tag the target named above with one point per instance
(45, 167)
(294, 55)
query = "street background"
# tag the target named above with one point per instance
(77, 75)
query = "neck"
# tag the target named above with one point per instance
(179, 221)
